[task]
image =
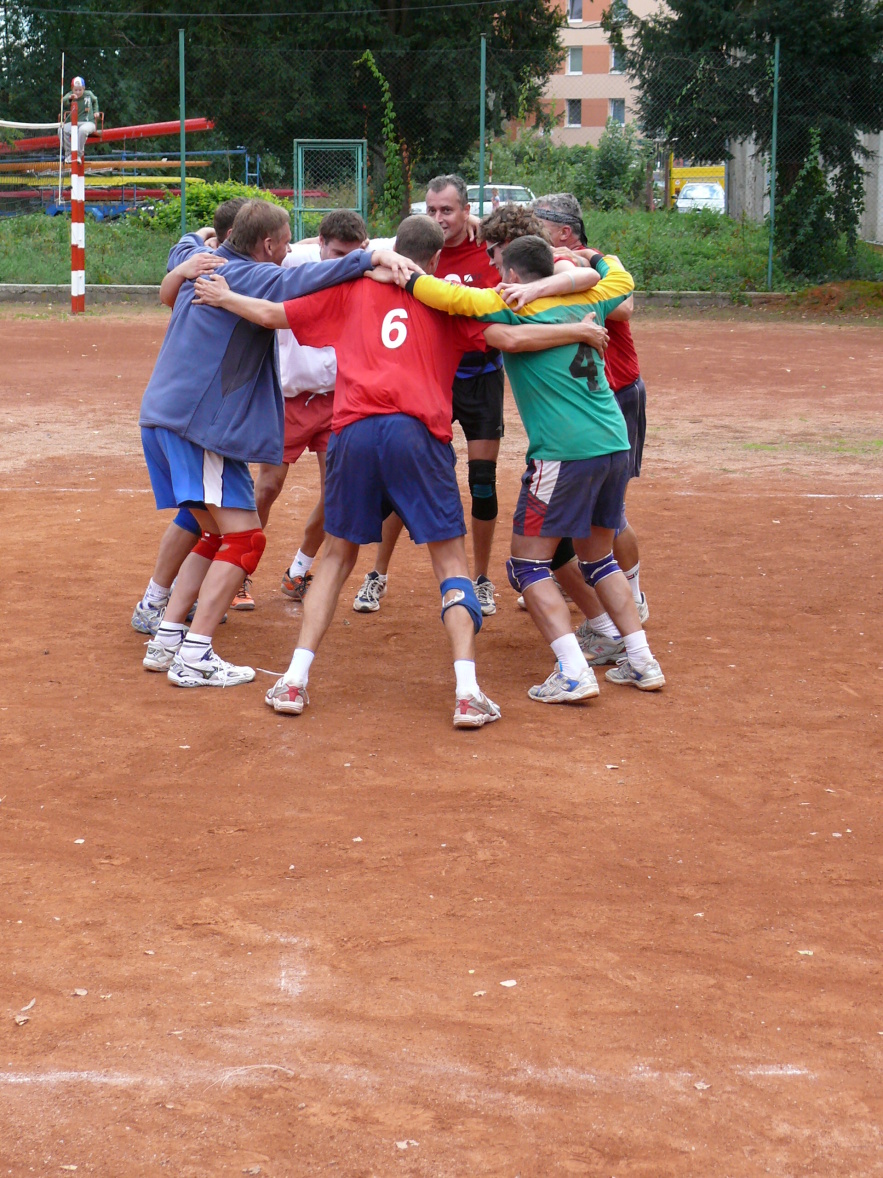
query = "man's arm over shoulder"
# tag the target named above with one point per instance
(190, 243)
(616, 282)
(311, 276)
(455, 299)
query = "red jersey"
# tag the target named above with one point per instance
(620, 360)
(394, 355)
(468, 264)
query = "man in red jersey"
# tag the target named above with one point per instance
(477, 404)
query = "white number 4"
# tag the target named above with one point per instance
(393, 332)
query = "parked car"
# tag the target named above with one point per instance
(701, 196)
(506, 193)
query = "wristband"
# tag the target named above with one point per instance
(594, 259)
(409, 285)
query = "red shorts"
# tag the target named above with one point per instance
(307, 424)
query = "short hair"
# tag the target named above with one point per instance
(343, 225)
(510, 221)
(256, 220)
(531, 256)
(419, 238)
(568, 211)
(225, 215)
(437, 183)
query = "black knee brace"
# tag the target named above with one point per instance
(483, 488)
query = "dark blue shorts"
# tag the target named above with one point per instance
(567, 498)
(182, 474)
(632, 401)
(391, 463)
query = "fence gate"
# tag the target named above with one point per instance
(328, 174)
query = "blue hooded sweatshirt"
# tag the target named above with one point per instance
(216, 379)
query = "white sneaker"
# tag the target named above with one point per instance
(649, 678)
(368, 598)
(210, 671)
(146, 618)
(159, 657)
(287, 697)
(484, 591)
(520, 602)
(561, 689)
(475, 711)
(598, 648)
(643, 610)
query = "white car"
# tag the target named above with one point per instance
(506, 194)
(701, 196)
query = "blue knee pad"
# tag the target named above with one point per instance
(522, 573)
(467, 598)
(186, 521)
(594, 571)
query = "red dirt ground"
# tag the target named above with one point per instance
(291, 933)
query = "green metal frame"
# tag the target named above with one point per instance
(357, 148)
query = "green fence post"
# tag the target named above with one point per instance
(483, 88)
(773, 145)
(181, 105)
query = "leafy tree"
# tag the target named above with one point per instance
(703, 69)
(620, 166)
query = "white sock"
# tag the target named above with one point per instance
(171, 634)
(381, 577)
(570, 658)
(195, 647)
(638, 649)
(605, 625)
(299, 671)
(301, 564)
(467, 684)
(156, 595)
(632, 575)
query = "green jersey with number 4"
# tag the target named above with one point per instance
(562, 394)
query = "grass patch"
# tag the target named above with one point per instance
(37, 249)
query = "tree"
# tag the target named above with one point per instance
(703, 70)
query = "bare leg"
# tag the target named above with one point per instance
(268, 487)
(392, 529)
(320, 603)
(174, 547)
(213, 581)
(613, 592)
(482, 529)
(625, 548)
(314, 532)
(571, 581)
(449, 560)
(544, 602)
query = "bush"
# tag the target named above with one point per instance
(202, 200)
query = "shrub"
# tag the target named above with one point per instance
(202, 200)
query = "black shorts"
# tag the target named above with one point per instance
(632, 400)
(478, 406)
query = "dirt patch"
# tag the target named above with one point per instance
(292, 932)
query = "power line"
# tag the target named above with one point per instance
(278, 15)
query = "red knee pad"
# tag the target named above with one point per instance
(244, 549)
(207, 545)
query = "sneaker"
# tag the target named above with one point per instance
(210, 671)
(643, 610)
(159, 657)
(650, 678)
(146, 618)
(598, 648)
(243, 599)
(484, 591)
(287, 697)
(296, 587)
(475, 712)
(368, 598)
(519, 601)
(561, 689)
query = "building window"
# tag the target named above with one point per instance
(617, 61)
(574, 10)
(574, 116)
(617, 109)
(575, 61)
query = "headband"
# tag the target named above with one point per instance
(562, 219)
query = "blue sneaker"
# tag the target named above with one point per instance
(561, 689)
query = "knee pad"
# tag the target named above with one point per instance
(207, 545)
(563, 554)
(465, 596)
(483, 488)
(524, 573)
(186, 521)
(594, 571)
(244, 549)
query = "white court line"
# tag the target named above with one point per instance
(74, 490)
(765, 495)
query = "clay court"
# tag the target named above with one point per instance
(239, 943)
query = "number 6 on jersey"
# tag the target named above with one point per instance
(393, 332)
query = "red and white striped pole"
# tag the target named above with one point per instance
(78, 223)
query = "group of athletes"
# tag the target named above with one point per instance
(364, 352)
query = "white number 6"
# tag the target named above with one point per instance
(393, 333)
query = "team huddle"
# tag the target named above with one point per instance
(379, 350)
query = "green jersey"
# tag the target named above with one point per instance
(87, 107)
(568, 408)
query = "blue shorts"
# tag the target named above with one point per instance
(632, 401)
(567, 498)
(182, 474)
(386, 463)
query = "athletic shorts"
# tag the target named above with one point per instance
(391, 463)
(478, 406)
(632, 400)
(182, 474)
(567, 498)
(307, 424)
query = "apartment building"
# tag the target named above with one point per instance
(591, 87)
